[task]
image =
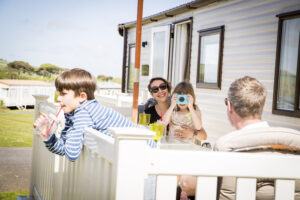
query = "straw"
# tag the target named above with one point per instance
(52, 123)
(161, 116)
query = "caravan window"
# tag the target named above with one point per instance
(286, 99)
(210, 52)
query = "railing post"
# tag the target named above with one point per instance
(130, 162)
(38, 99)
(119, 100)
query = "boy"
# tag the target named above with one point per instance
(76, 89)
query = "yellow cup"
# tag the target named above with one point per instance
(158, 129)
(144, 119)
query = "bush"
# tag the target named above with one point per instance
(2, 105)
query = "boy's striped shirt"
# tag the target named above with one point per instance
(88, 114)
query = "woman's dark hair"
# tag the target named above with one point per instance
(162, 79)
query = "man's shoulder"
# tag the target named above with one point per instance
(258, 136)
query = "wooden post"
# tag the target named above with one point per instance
(38, 99)
(130, 162)
(137, 61)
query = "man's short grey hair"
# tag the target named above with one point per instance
(247, 96)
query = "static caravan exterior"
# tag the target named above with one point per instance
(213, 42)
(18, 93)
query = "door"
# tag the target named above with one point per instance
(181, 52)
(160, 40)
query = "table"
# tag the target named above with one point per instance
(170, 142)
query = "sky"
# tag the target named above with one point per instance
(70, 33)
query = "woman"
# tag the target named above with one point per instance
(159, 89)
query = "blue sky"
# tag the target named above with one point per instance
(70, 33)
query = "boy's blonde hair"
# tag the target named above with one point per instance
(77, 80)
(185, 88)
(247, 96)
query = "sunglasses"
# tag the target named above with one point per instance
(155, 89)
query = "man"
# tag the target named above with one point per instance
(245, 102)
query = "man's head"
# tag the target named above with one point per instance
(75, 86)
(247, 97)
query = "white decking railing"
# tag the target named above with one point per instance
(116, 169)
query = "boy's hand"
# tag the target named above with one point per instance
(41, 124)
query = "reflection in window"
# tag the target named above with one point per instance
(131, 67)
(159, 41)
(287, 66)
(210, 58)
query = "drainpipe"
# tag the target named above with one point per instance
(137, 61)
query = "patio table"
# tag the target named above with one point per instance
(170, 142)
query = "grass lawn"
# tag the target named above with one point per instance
(12, 195)
(16, 128)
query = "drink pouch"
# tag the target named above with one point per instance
(50, 124)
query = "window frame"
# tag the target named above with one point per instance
(206, 32)
(275, 110)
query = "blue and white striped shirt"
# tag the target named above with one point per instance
(88, 114)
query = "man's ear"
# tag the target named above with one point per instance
(82, 97)
(229, 107)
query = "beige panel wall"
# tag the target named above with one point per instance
(249, 49)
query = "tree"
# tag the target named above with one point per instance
(20, 66)
(51, 68)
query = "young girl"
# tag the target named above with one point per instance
(182, 116)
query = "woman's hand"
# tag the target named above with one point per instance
(185, 133)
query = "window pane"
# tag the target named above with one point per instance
(288, 64)
(209, 58)
(131, 67)
(159, 41)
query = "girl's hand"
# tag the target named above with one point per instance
(173, 101)
(191, 102)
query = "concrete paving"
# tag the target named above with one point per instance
(15, 166)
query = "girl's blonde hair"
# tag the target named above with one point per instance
(185, 88)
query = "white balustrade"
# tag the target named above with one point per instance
(116, 168)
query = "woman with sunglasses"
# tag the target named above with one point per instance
(160, 90)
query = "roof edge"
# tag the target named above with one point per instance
(168, 13)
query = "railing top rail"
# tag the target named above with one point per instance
(236, 164)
